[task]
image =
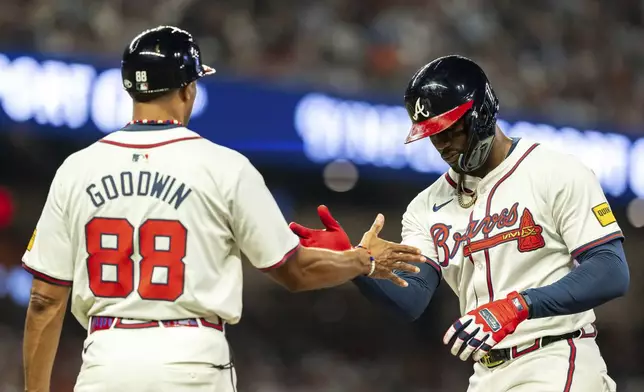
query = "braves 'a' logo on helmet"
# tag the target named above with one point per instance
(419, 109)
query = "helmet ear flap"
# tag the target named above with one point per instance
(489, 107)
(480, 128)
(478, 150)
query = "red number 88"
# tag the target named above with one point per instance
(152, 258)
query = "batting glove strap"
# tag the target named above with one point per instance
(476, 333)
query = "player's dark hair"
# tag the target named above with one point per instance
(149, 97)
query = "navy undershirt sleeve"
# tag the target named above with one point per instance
(409, 302)
(601, 276)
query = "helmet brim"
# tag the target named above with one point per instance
(437, 124)
(206, 70)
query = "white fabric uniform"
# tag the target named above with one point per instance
(534, 214)
(149, 225)
(569, 365)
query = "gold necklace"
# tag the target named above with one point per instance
(461, 191)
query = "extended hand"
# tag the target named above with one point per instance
(388, 256)
(482, 328)
(332, 237)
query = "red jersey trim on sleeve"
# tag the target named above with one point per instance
(435, 265)
(47, 278)
(597, 242)
(282, 261)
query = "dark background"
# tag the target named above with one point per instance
(575, 63)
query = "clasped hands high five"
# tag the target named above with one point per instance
(386, 256)
(472, 335)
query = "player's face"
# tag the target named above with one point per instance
(451, 143)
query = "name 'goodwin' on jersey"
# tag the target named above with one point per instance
(138, 184)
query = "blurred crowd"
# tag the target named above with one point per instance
(576, 62)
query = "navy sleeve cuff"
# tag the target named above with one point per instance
(596, 243)
(408, 302)
(435, 266)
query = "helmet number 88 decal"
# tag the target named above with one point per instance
(141, 76)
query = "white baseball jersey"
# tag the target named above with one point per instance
(149, 225)
(535, 212)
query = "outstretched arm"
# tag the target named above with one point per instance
(314, 267)
(408, 301)
(260, 231)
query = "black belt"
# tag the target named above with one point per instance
(499, 356)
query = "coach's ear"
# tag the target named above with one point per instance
(188, 93)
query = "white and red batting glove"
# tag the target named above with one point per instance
(476, 333)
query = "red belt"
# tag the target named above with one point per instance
(99, 323)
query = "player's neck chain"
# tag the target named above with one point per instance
(155, 122)
(460, 190)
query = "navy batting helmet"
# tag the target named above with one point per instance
(447, 90)
(161, 59)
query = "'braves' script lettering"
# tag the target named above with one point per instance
(528, 234)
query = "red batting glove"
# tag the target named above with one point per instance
(333, 237)
(482, 328)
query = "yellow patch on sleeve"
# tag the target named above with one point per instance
(604, 214)
(31, 241)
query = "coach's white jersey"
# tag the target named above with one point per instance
(150, 224)
(534, 214)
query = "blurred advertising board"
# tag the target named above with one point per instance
(283, 126)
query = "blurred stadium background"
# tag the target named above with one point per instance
(310, 91)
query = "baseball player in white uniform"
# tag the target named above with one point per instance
(146, 228)
(522, 234)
